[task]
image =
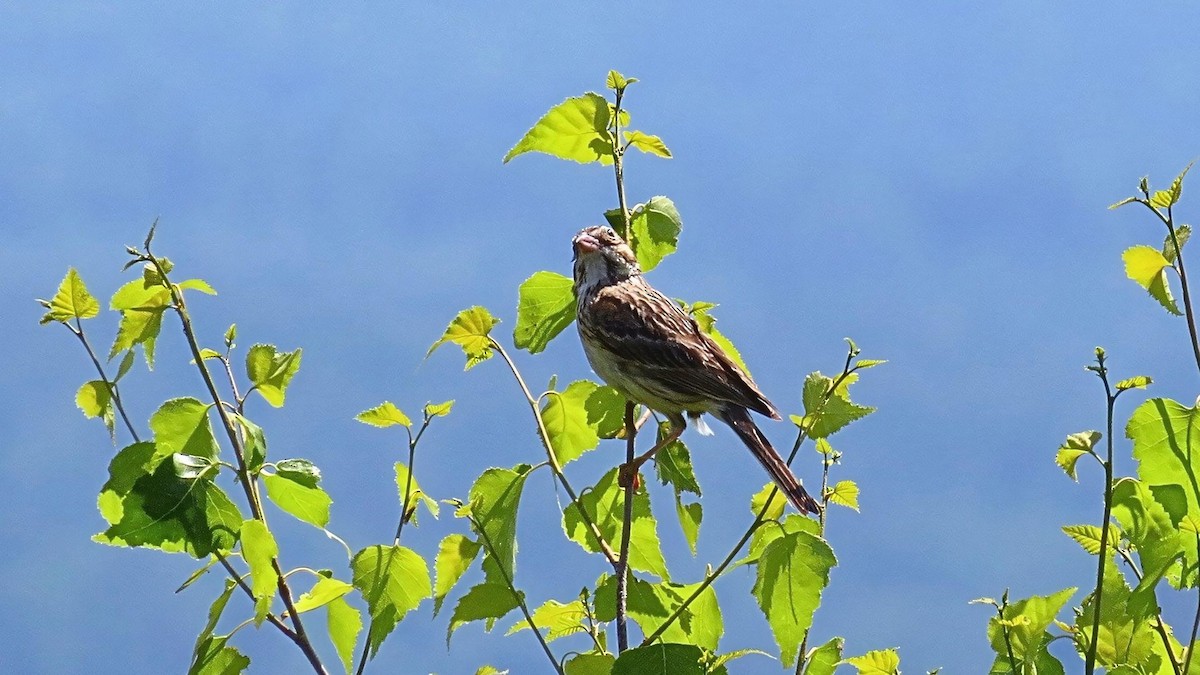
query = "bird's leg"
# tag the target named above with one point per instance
(628, 474)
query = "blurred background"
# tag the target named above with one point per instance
(930, 180)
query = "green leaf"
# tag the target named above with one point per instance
(765, 536)
(190, 467)
(207, 353)
(778, 501)
(470, 330)
(147, 505)
(305, 502)
(271, 371)
(566, 418)
(863, 364)
(438, 409)
(559, 619)
(827, 412)
(95, 400)
(650, 604)
(1146, 266)
(71, 301)
(259, 550)
(1089, 537)
(215, 658)
(455, 554)
(325, 591)
(230, 335)
(344, 623)
(647, 143)
(494, 499)
(606, 411)
(403, 476)
(490, 670)
(617, 82)
(1123, 202)
(576, 129)
(655, 228)
(878, 662)
(1182, 234)
(254, 444)
(605, 503)
(792, 572)
(197, 285)
(126, 364)
(844, 493)
(545, 306)
(1126, 634)
(824, 660)
(673, 464)
(1166, 446)
(484, 602)
(1136, 382)
(1076, 446)
(590, 664)
(665, 659)
(393, 580)
(181, 425)
(1166, 198)
(384, 415)
(1026, 621)
(1147, 525)
(201, 651)
(141, 310)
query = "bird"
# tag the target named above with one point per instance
(652, 352)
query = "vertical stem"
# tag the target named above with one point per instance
(1183, 282)
(626, 526)
(1195, 626)
(1098, 596)
(112, 386)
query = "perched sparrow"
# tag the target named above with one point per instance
(646, 347)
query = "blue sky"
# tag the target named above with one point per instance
(930, 180)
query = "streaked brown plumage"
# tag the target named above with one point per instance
(646, 347)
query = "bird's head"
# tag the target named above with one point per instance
(601, 256)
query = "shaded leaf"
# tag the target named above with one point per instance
(484, 602)
(650, 604)
(605, 503)
(393, 580)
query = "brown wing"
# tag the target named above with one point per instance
(636, 323)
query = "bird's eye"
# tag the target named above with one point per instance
(610, 233)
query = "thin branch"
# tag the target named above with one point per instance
(516, 594)
(1098, 596)
(544, 435)
(1195, 625)
(111, 385)
(626, 529)
(249, 483)
(1169, 221)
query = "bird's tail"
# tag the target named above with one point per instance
(738, 418)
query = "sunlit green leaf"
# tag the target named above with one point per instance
(1147, 525)
(878, 662)
(576, 129)
(484, 602)
(305, 502)
(197, 285)
(385, 414)
(94, 398)
(1147, 266)
(792, 572)
(403, 478)
(824, 660)
(778, 502)
(1182, 234)
(141, 310)
(844, 493)
(1076, 446)
(1136, 382)
(494, 499)
(344, 623)
(558, 619)
(259, 550)
(147, 505)
(1089, 537)
(827, 412)
(325, 591)
(438, 409)
(393, 580)
(650, 604)
(605, 503)
(617, 82)
(702, 312)
(1026, 622)
(590, 664)
(545, 306)
(455, 554)
(202, 655)
(606, 411)
(71, 301)
(181, 425)
(566, 417)
(470, 330)
(647, 143)
(272, 371)
(655, 228)
(1126, 635)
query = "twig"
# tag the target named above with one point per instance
(544, 435)
(626, 529)
(111, 385)
(1110, 400)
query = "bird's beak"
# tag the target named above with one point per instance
(584, 243)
